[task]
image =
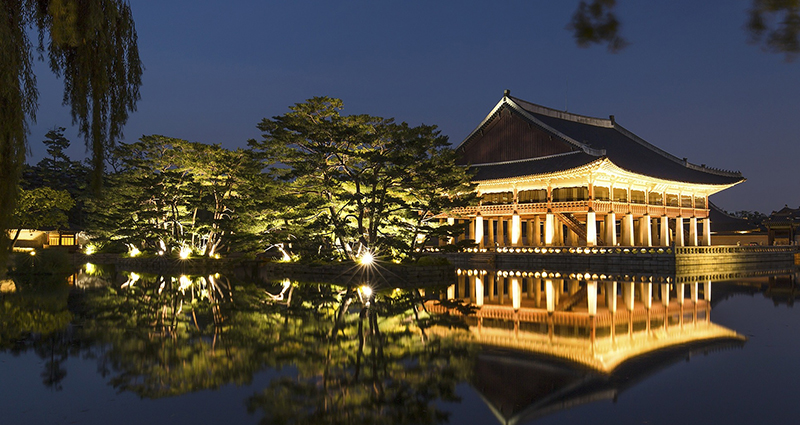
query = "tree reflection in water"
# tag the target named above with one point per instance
(343, 356)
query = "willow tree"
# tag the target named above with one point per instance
(91, 45)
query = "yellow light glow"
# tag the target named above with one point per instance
(90, 249)
(133, 251)
(90, 268)
(366, 291)
(184, 283)
(366, 259)
(33, 253)
(185, 252)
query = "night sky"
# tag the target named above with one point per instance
(689, 82)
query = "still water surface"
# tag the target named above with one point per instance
(119, 347)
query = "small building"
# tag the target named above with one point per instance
(782, 226)
(551, 178)
(30, 239)
(731, 230)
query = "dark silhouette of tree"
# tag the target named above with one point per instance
(775, 23)
(92, 46)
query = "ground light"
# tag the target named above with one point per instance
(367, 259)
(185, 252)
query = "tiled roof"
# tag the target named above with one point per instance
(599, 137)
(533, 166)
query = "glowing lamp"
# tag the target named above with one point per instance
(366, 259)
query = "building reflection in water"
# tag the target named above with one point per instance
(551, 340)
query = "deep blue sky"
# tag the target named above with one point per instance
(689, 82)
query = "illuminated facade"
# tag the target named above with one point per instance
(552, 178)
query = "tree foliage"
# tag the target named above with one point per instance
(41, 208)
(166, 194)
(92, 46)
(775, 23)
(361, 180)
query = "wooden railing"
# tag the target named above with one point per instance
(601, 207)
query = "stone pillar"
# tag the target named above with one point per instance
(451, 292)
(537, 291)
(707, 291)
(537, 225)
(611, 229)
(591, 229)
(516, 292)
(558, 233)
(591, 297)
(501, 234)
(664, 239)
(478, 290)
(516, 230)
(627, 230)
(550, 295)
(628, 295)
(679, 231)
(693, 231)
(645, 237)
(572, 237)
(611, 296)
(654, 231)
(694, 291)
(549, 229)
(647, 295)
(492, 285)
(665, 297)
(490, 239)
(706, 240)
(478, 222)
(501, 289)
(680, 291)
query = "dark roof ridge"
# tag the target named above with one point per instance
(516, 161)
(564, 115)
(511, 103)
(665, 154)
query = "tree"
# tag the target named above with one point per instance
(40, 208)
(169, 193)
(776, 23)
(360, 180)
(59, 172)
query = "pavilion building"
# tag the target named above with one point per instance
(552, 178)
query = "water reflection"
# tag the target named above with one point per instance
(344, 354)
(554, 340)
(529, 342)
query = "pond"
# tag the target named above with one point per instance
(108, 346)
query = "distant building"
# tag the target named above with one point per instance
(730, 230)
(782, 226)
(548, 177)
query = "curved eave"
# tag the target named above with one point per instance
(605, 166)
